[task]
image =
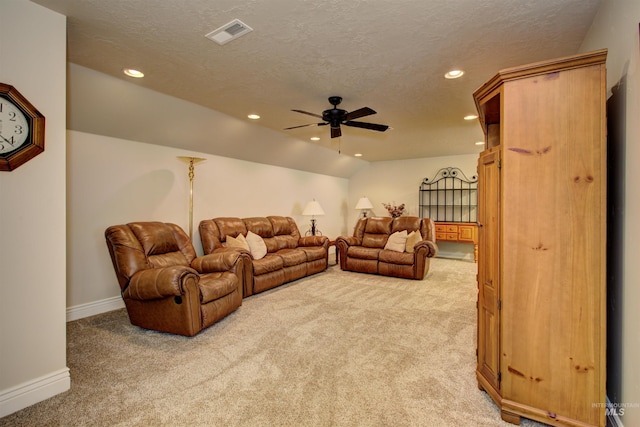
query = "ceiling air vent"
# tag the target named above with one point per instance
(228, 32)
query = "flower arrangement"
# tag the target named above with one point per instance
(394, 211)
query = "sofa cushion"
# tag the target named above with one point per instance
(281, 225)
(376, 232)
(216, 285)
(394, 257)
(314, 252)
(155, 237)
(230, 226)
(162, 244)
(375, 240)
(272, 245)
(397, 241)
(413, 238)
(363, 253)
(378, 225)
(409, 223)
(259, 225)
(257, 247)
(285, 242)
(268, 264)
(292, 257)
(168, 259)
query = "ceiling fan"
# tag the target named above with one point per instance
(336, 117)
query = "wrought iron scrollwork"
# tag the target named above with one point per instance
(450, 172)
(450, 196)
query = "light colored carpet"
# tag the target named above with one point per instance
(335, 349)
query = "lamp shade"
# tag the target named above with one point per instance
(364, 203)
(313, 208)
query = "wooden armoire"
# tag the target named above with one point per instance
(541, 230)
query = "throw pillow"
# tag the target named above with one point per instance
(257, 247)
(397, 241)
(237, 242)
(413, 238)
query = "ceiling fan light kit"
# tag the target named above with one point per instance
(335, 117)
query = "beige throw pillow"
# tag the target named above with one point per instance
(397, 241)
(257, 247)
(237, 242)
(413, 238)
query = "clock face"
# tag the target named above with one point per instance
(21, 129)
(14, 127)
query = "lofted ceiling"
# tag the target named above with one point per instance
(387, 55)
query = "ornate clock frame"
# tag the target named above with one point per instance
(34, 144)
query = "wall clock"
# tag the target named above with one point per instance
(21, 129)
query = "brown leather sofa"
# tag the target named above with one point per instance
(365, 251)
(288, 255)
(165, 287)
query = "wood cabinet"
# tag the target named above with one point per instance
(458, 232)
(541, 236)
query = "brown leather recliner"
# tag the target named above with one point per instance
(165, 287)
(365, 251)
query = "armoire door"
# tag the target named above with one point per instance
(489, 267)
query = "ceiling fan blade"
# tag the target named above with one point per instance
(304, 126)
(364, 125)
(308, 113)
(336, 132)
(356, 114)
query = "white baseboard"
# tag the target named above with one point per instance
(29, 393)
(91, 309)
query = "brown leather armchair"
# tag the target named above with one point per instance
(165, 287)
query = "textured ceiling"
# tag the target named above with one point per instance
(387, 55)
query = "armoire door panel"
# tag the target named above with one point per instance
(489, 273)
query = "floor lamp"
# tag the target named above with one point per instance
(191, 161)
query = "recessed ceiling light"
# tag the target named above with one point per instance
(253, 116)
(358, 154)
(315, 138)
(133, 73)
(480, 143)
(454, 74)
(470, 117)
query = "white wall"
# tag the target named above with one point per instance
(616, 27)
(114, 181)
(32, 215)
(399, 181)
